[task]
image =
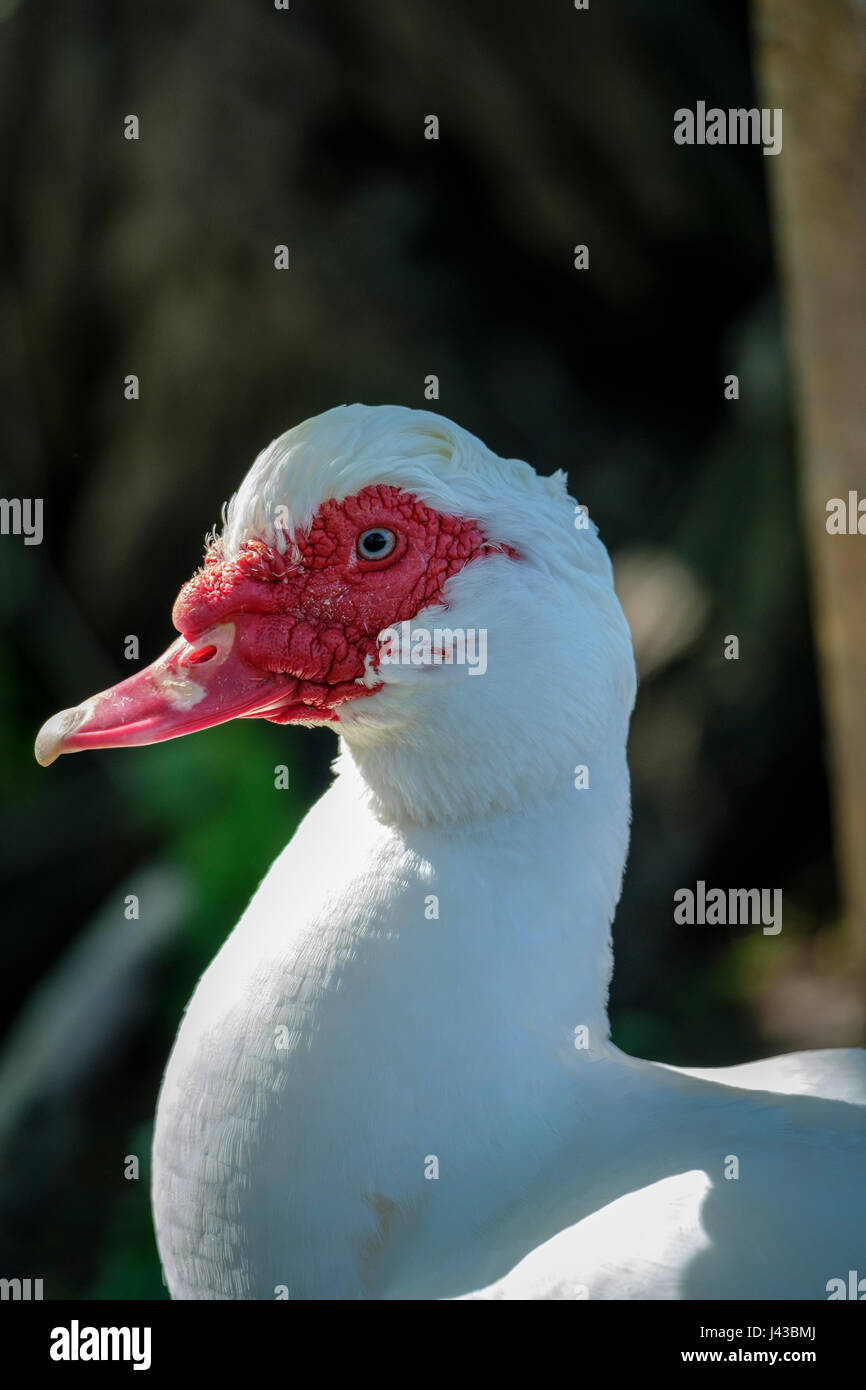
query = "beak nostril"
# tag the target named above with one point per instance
(198, 657)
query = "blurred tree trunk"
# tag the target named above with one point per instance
(812, 64)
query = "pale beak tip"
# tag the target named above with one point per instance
(50, 739)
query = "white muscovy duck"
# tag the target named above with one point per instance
(370, 1099)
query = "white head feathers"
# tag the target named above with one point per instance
(559, 686)
(337, 454)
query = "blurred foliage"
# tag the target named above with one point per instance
(408, 257)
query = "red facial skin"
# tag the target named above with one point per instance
(277, 636)
(315, 612)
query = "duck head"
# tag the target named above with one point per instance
(372, 560)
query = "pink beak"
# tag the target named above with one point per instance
(186, 689)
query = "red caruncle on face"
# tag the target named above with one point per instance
(314, 612)
(282, 636)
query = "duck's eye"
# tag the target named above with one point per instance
(376, 543)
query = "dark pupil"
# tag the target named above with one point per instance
(375, 541)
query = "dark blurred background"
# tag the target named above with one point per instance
(409, 257)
